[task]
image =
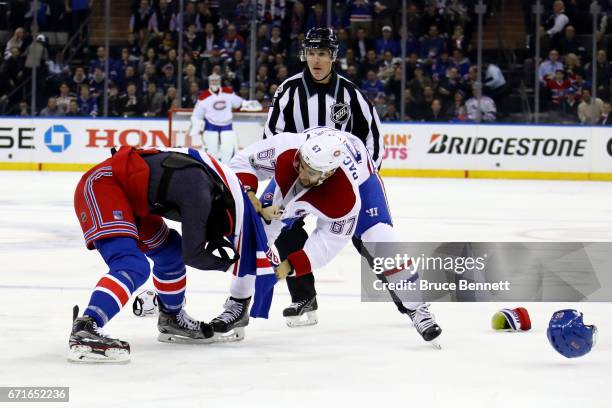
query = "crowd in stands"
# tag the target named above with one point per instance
(441, 75)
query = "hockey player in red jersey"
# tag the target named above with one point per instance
(120, 204)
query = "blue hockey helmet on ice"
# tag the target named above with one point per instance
(568, 334)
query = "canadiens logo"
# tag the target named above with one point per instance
(340, 112)
(219, 105)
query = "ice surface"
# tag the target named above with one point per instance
(358, 355)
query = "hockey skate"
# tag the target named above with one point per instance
(425, 324)
(229, 325)
(302, 313)
(89, 345)
(182, 328)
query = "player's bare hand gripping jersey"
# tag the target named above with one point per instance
(335, 202)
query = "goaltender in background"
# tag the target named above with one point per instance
(425, 285)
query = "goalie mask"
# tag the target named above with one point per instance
(214, 82)
(320, 38)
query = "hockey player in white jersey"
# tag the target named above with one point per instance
(212, 114)
(329, 174)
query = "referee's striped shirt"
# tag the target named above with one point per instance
(299, 103)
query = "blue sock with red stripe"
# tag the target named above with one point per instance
(129, 269)
(169, 274)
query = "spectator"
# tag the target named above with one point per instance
(113, 101)
(13, 67)
(412, 110)
(190, 100)
(133, 46)
(550, 66)
(554, 24)
(432, 45)
(385, 13)
(16, 41)
(441, 66)
(316, 17)
(239, 67)
(340, 18)
(78, 79)
(426, 101)
(73, 109)
(418, 83)
(387, 43)
(205, 13)
(449, 85)
(191, 17)
(431, 17)
(572, 66)
(391, 115)
(461, 62)
(352, 74)
(435, 112)
(414, 23)
(64, 97)
(370, 64)
(87, 103)
(362, 44)
(459, 41)
(168, 78)
(165, 16)
(276, 43)
(232, 41)
(372, 87)
(603, 70)
(271, 12)
(100, 61)
(484, 109)
(52, 108)
(242, 16)
(209, 39)
(494, 82)
(79, 11)
(387, 66)
(605, 118)
(192, 41)
(585, 108)
(143, 20)
(558, 88)
(96, 84)
(170, 101)
(568, 43)
(360, 14)
(152, 101)
(457, 112)
(130, 104)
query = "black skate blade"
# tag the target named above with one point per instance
(81, 354)
(75, 312)
(173, 338)
(232, 336)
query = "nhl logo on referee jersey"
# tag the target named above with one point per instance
(340, 112)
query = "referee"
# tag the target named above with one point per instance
(318, 96)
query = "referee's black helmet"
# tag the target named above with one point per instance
(320, 37)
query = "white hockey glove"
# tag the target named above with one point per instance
(251, 106)
(145, 303)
